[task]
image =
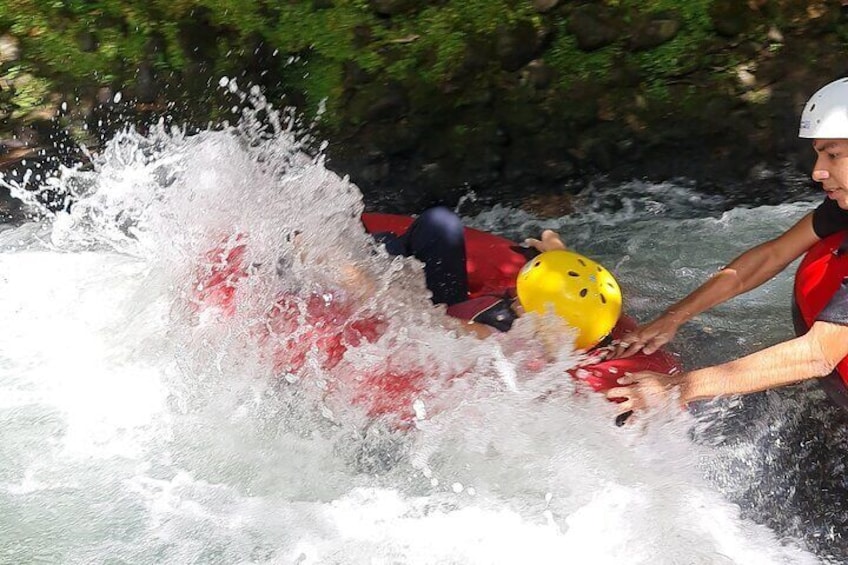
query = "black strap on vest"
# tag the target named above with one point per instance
(527, 252)
(843, 247)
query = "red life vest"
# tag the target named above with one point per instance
(819, 276)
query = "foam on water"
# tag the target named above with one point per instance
(138, 426)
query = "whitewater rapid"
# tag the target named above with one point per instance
(135, 430)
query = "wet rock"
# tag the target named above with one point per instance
(39, 103)
(395, 7)
(10, 207)
(549, 205)
(392, 139)
(434, 176)
(718, 106)
(730, 18)
(521, 119)
(544, 6)
(104, 95)
(87, 42)
(593, 26)
(823, 16)
(478, 54)
(747, 79)
(47, 110)
(625, 73)
(775, 35)
(654, 31)
(540, 160)
(10, 48)
(22, 81)
(146, 88)
(362, 36)
(199, 36)
(354, 75)
(376, 172)
(376, 102)
(517, 45)
(538, 74)
(599, 153)
(578, 104)
(482, 171)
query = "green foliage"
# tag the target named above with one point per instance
(28, 92)
(685, 49)
(683, 54)
(105, 41)
(53, 35)
(665, 60)
(442, 33)
(68, 43)
(574, 64)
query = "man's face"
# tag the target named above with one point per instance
(831, 169)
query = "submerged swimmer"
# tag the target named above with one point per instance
(553, 280)
(812, 355)
(581, 293)
(308, 332)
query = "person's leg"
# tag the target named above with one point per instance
(395, 244)
(437, 239)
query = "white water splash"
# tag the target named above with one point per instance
(136, 429)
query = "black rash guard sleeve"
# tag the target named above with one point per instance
(829, 218)
(836, 311)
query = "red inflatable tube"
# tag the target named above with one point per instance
(493, 264)
(324, 329)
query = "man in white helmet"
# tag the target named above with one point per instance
(814, 354)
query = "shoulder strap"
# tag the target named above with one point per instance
(843, 246)
(492, 310)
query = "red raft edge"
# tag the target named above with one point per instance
(493, 264)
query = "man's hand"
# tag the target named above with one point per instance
(550, 242)
(647, 338)
(645, 389)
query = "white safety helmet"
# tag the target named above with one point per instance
(826, 114)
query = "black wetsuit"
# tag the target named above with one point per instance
(437, 239)
(828, 219)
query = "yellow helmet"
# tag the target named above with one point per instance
(575, 288)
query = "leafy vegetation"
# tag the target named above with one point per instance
(302, 47)
(76, 42)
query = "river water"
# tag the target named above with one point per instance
(140, 424)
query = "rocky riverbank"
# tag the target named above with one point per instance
(428, 100)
